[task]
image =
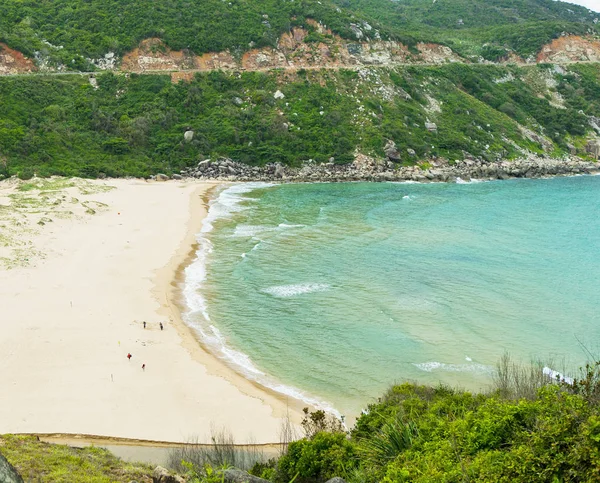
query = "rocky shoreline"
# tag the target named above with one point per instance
(365, 168)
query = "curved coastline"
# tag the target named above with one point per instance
(94, 288)
(168, 289)
(235, 366)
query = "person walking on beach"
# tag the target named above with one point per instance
(161, 326)
(144, 367)
(129, 356)
(144, 324)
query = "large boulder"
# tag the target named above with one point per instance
(162, 475)
(336, 479)
(188, 136)
(8, 474)
(161, 177)
(279, 171)
(391, 152)
(593, 147)
(232, 475)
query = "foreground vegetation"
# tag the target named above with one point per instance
(134, 125)
(527, 428)
(69, 33)
(44, 462)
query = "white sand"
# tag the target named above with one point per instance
(74, 292)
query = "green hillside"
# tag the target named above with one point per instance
(67, 32)
(134, 125)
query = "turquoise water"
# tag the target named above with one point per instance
(332, 292)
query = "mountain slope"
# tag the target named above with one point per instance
(134, 125)
(66, 33)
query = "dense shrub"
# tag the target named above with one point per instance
(318, 459)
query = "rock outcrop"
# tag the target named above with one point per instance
(8, 474)
(14, 62)
(365, 168)
(570, 48)
(232, 475)
(293, 52)
(162, 475)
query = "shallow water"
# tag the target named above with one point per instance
(331, 292)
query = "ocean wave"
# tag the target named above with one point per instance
(555, 375)
(285, 225)
(471, 181)
(440, 366)
(241, 362)
(296, 289)
(229, 201)
(252, 231)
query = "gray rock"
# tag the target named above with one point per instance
(8, 474)
(337, 479)
(162, 475)
(411, 152)
(279, 171)
(278, 95)
(431, 126)
(572, 149)
(161, 177)
(237, 101)
(232, 475)
(593, 148)
(177, 176)
(391, 152)
(188, 136)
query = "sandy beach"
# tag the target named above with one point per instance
(82, 265)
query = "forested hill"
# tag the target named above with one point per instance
(293, 81)
(68, 33)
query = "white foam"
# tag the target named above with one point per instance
(228, 202)
(440, 366)
(555, 375)
(250, 231)
(285, 225)
(406, 197)
(468, 359)
(296, 289)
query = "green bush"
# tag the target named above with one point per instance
(318, 459)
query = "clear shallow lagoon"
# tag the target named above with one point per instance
(335, 291)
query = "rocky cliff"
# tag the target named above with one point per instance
(14, 62)
(295, 50)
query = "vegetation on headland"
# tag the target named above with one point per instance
(527, 428)
(69, 33)
(134, 125)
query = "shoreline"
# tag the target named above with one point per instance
(369, 169)
(101, 257)
(169, 284)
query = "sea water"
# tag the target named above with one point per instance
(332, 292)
